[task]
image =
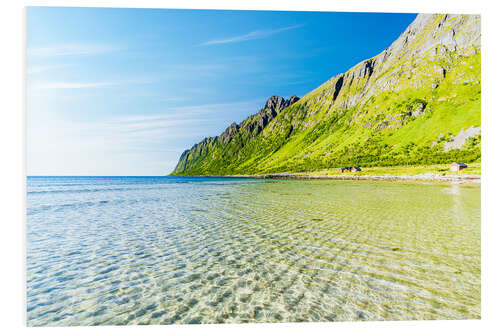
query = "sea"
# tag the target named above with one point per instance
(191, 250)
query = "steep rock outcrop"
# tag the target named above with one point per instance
(236, 133)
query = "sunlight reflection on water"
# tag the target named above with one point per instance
(159, 250)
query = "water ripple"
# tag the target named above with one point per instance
(131, 250)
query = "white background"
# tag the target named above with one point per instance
(13, 164)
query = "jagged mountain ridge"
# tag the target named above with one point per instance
(249, 128)
(399, 107)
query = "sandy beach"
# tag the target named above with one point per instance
(425, 177)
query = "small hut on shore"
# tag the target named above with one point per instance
(457, 166)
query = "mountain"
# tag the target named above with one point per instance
(417, 102)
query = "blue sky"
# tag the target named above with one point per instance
(125, 91)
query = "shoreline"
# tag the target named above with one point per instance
(432, 177)
(426, 173)
(420, 177)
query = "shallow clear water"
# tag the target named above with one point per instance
(161, 250)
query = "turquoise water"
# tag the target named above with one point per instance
(162, 250)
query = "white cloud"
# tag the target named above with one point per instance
(71, 49)
(114, 147)
(41, 69)
(190, 111)
(72, 85)
(257, 34)
(86, 85)
(146, 127)
(121, 145)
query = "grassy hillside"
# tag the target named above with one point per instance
(406, 106)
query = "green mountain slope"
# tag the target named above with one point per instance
(417, 102)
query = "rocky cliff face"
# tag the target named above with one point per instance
(430, 38)
(248, 128)
(399, 107)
